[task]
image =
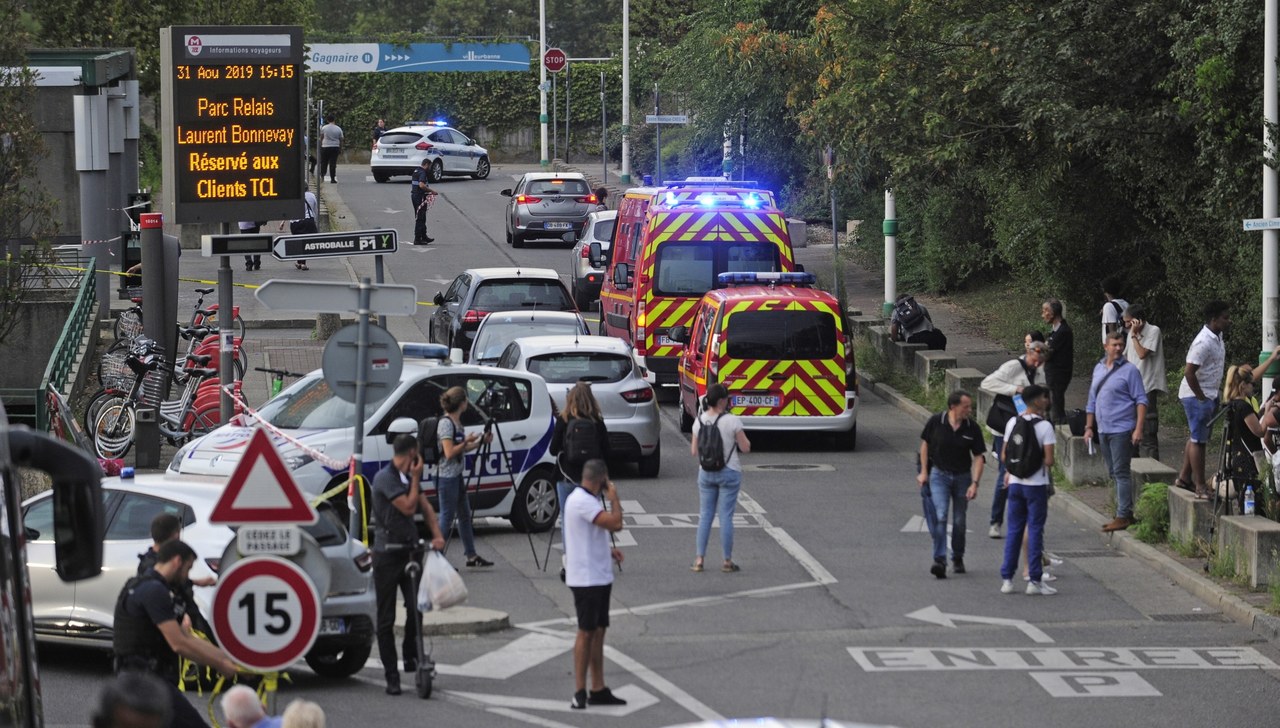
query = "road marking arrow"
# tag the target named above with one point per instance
(512, 658)
(637, 699)
(933, 615)
(917, 524)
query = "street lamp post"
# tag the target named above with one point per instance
(1270, 237)
(626, 92)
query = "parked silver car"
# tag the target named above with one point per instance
(548, 206)
(82, 612)
(585, 279)
(502, 327)
(626, 400)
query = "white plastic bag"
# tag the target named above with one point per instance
(441, 585)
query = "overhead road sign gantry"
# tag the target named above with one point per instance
(335, 245)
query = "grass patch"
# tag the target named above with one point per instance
(1152, 510)
(1222, 564)
(1188, 549)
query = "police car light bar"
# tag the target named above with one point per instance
(768, 278)
(710, 182)
(438, 352)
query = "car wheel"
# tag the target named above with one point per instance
(343, 663)
(649, 464)
(686, 419)
(517, 240)
(380, 177)
(536, 503)
(436, 172)
(482, 168)
(508, 237)
(848, 440)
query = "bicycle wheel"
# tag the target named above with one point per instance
(100, 399)
(216, 322)
(204, 422)
(114, 429)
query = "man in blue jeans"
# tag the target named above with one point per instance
(951, 451)
(1028, 497)
(1116, 410)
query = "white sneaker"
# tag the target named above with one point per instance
(1044, 576)
(1053, 560)
(994, 531)
(1035, 588)
(1007, 587)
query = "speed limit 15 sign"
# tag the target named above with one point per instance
(266, 612)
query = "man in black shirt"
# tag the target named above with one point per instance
(166, 527)
(1062, 352)
(951, 463)
(420, 195)
(148, 635)
(397, 497)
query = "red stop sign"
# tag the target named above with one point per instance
(554, 59)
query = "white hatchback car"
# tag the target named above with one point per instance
(83, 612)
(626, 400)
(502, 327)
(400, 151)
(586, 279)
(513, 478)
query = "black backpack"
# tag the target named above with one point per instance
(711, 457)
(428, 440)
(909, 312)
(1023, 455)
(581, 441)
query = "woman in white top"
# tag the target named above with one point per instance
(718, 489)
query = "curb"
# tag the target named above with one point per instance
(456, 621)
(1233, 607)
(255, 324)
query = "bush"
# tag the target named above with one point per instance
(1152, 510)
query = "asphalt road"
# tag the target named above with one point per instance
(834, 612)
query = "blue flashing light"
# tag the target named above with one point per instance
(751, 201)
(438, 122)
(126, 473)
(672, 199)
(707, 200)
(766, 278)
(426, 351)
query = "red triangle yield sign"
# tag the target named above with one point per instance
(261, 490)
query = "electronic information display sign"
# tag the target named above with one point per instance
(233, 122)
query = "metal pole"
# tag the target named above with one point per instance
(379, 277)
(835, 239)
(1270, 238)
(567, 86)
(151, 239)
(542, 78)
(555, 121)
(890, 252)
(362, 372)
(604, 133)
(226, 332)
(626, 93)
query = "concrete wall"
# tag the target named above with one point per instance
(27, 349)
(57, 174)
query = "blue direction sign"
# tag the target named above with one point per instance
(330, 245)
(1265, 223)
(417, 57)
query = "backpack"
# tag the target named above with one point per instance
(1023, 455)
(581, 441)
(429, 440)
(711, 457)
(908, 312)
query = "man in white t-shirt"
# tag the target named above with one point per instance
(1028, 496)
(589, 573)
(1201, 377)
(1113, 309)
(1146, 352)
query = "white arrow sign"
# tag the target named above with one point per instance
(512, 658)
(330, 297)
(933, 615)
(1264, 223)
(637, 699)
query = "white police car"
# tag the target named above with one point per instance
(400, 151)
(513, 478)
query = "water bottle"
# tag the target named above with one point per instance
(1248, 501)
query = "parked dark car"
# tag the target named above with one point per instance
(477, 292)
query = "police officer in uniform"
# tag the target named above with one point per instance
(397, 497)
(419, 193)
(148, 634)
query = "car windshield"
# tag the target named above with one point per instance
(690, 269)
(558, 187)
(781, 335)
(493, 337)
(568, 367)
(312, 405)
(505, 295)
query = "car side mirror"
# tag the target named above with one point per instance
(77, 499)
(622, 276)
(505, 193)
(439, 299)
(595, 255)
(678, 334)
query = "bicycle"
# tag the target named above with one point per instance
(277, 378)
(128, 324)
(193, 413)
